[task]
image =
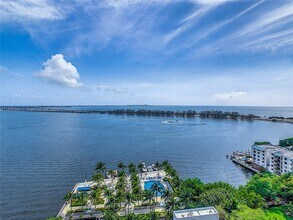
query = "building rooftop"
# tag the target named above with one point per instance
(187, 213)
(275, 149)
(278, 151)
(263, 147)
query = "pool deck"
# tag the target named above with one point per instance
(111, 183)
(153, 176)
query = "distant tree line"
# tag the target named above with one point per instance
(150, 113)
(262, 143)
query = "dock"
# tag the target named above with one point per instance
(245, 165)
(244, 159)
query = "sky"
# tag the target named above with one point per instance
(165, 52)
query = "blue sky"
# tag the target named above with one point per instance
(197, 52)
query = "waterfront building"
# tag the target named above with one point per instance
(273, 158)
(281, 161)
(261, 155)
(204, 213)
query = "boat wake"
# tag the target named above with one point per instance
(176, 122)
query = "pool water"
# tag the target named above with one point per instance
(83, 188)
(148, 185)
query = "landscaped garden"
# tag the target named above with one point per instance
(119, 194)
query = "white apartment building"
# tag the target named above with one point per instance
(261, 154)
(281, 161)
(205, 213)
(273, 158)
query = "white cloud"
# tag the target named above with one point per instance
(229, 96)
(127, 3)
(268, 19)
(281, 76)
(212, 2)
(188, 22)
(2, 68)
(24, 10)
(111, 89)
(225, 22)
(58, 70)
(145, 84)
(123, 25)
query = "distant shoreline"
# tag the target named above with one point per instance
(155, 113)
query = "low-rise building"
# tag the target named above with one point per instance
(261, 155)
(204, 213)
(281, 161)
(273, 158)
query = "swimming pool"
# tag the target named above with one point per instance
(83, 188)
(148, 185)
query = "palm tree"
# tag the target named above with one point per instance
(170, 204)
(122, 174)
(148, 195)
(158, 165)
(185, 195)
(140, 167)
(137, 197)
(153, 216)
(98, 177)
(132, 216)
(112, 204)
(120, 195)
(132, 168)
(108, 192)
(111, 173)
(81, 199)
(68, 198)
(109, 214)
(100, 167)
(121, 166)
(129, 199)
(95, 194)
(167, 194)
(165, 163)
(156, 188)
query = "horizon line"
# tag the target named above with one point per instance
(147, 105)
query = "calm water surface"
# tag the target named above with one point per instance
(44, 154)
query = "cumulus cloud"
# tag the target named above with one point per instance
(58, 70)
(229, 96)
